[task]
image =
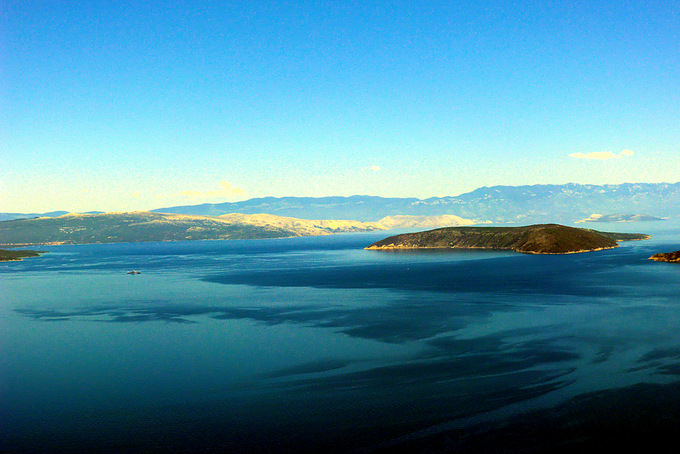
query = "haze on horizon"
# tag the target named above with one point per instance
(121, 106)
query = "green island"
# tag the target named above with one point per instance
(533, 239)
(6, 256)
(670, 257)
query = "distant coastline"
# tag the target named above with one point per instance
(134, 227)
(620, 218)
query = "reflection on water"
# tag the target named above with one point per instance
(314, 343)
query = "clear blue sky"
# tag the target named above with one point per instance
(128, 105)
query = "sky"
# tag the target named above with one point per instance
(136, 105)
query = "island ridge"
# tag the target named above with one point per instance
(533, 239)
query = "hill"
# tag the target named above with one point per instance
(145, 226)
(535, 239)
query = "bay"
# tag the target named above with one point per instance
(313, 344)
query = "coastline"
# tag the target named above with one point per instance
(413, 248)
(668, 257)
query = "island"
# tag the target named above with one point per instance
(532, 239)
(6, 256)
(670, 257)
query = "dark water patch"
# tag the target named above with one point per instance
(661, 353)
(666, 361)
(118, 314)
(411, 319)
(281, 422)
(555, 275)
(309, 368)
(148, 318)
(669, 369)
(401, 320)
(498, 341)
(604, 354)
(394, 324)
(494, 362)
(307, 315)
(318, 418)
(638, 418)
(61, 315)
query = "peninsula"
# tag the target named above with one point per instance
(142, 226)
(145, 226)
(533, 239)
(6, 256)
(670, 257)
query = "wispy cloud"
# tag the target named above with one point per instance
(602, 155)
(226, 190)
(373, 168)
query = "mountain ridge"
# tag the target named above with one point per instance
(566, 203)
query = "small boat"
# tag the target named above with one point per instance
(134, 272)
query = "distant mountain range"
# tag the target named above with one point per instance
(567, 203)
(51, 214)
(10, 216)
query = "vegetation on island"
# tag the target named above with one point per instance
(670, 257)
(6, 255)
(534, 239)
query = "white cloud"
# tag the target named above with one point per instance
(601, 155)
(373, 168)
(226, 190)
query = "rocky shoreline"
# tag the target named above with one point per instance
(670, 257)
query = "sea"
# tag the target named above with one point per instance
(315, 344)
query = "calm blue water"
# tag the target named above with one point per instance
(311, 343)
